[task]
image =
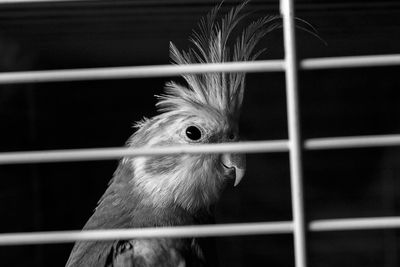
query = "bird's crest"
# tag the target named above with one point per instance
(223, 91)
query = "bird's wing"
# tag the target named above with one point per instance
(112, 214)
(106, 216)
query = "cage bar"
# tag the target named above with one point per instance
(65, 155)
(236, 229)
(136, 71)
(132, 72)
(355, 224)
(116, 153)
(295, 145)
(350, 62)
(353, 142)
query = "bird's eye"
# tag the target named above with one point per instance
(231, 136)
(193, 133)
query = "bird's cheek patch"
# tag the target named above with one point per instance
(161, 164)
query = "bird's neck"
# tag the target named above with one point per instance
(130, 206)
(170, 213)
(189, 185)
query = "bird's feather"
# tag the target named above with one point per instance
(223, 91)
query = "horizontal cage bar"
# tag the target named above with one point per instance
(350, 62)
(175, 70)
(136, 71)
(116, 153)
(173, 232)
(355, 224)
(352, 142)
(237, 229)
(239, 147)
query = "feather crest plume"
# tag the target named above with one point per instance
(222, 91)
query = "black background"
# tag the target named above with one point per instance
(338, 184)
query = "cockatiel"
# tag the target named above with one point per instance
(173, 190)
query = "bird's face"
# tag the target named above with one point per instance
(190, 181)
(202, 109)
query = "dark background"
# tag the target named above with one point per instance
(338, 184)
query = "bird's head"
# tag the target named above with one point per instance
(204, 109)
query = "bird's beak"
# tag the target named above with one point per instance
(234, 165)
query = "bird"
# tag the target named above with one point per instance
(180, 189)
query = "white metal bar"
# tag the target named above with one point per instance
(295, 145)
(355, 224)
(242, 147)
(350, 62)
(173, 70)
(116, 153)
(178, 231)
(352, 142)
(136, 71)
(260, 228)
